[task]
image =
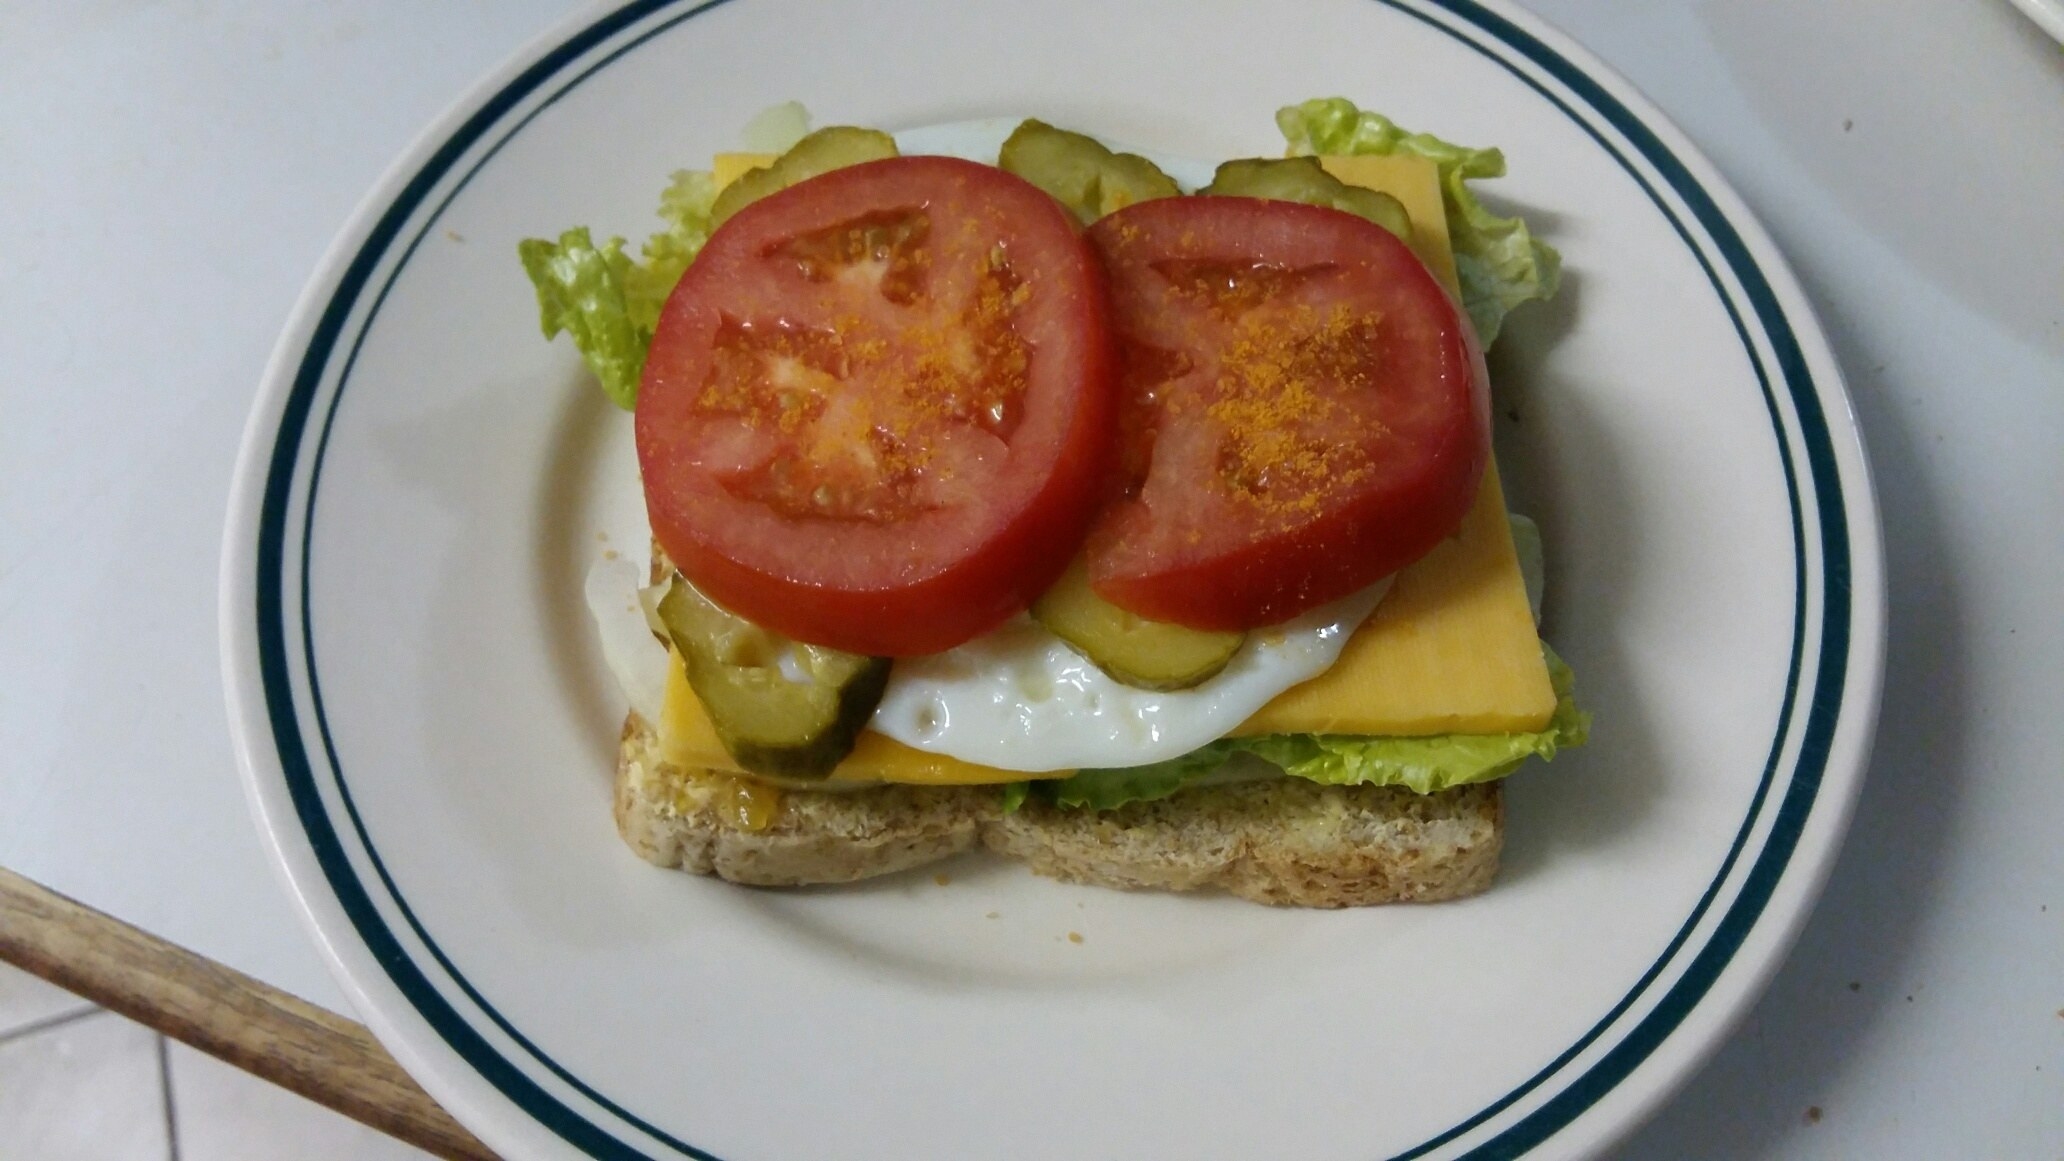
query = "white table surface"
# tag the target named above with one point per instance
(170, 173)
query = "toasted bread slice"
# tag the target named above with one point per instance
(679, 818)
(1286, 841)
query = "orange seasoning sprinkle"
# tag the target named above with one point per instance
(973, 368)
(1288, 439)
(862, 403)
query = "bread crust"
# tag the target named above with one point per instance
(1286, 842)
(678, 818)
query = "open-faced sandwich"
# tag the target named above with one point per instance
(1028, 501)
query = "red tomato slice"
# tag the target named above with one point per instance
(877, 412)
(1304, 410)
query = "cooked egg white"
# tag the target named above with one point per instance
(624, 625)
(1020, 699)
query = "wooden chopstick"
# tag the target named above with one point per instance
(225, 1013)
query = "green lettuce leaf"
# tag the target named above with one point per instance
(1499, 262)
(1436, 763)
(1113, 788)
(1424, 765)
(580, 291)
(608, 303)
(1014, 795)
(775, 129)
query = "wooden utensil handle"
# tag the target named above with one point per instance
(260, 1029)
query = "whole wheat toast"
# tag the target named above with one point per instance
(1285, 841)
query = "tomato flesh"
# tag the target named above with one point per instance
(1303, 410)
(877, 411)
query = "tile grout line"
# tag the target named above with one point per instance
(165, 1094)
(48, 1022)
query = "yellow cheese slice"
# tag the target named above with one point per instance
(729, 167)
(1415, 183)
(1452, 648)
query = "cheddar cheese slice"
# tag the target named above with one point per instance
(1415, 183)
(1452, 648)
(726, 168)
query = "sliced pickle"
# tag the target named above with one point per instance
(833, 147)
(1079, 172)
(1302, 179)
(1132, 649)
(771, 723)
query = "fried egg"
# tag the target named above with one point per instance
(1019, 698)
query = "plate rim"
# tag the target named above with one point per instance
(266, 731)
(2048, 15)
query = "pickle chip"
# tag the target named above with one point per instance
(1301, 179)
(1133, 650)
(833, 147)
(1079, 172)
(781, 708)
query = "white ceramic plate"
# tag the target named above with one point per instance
(427, 731)
(2049, 14)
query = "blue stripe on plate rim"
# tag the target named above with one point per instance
(1553, 1100)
